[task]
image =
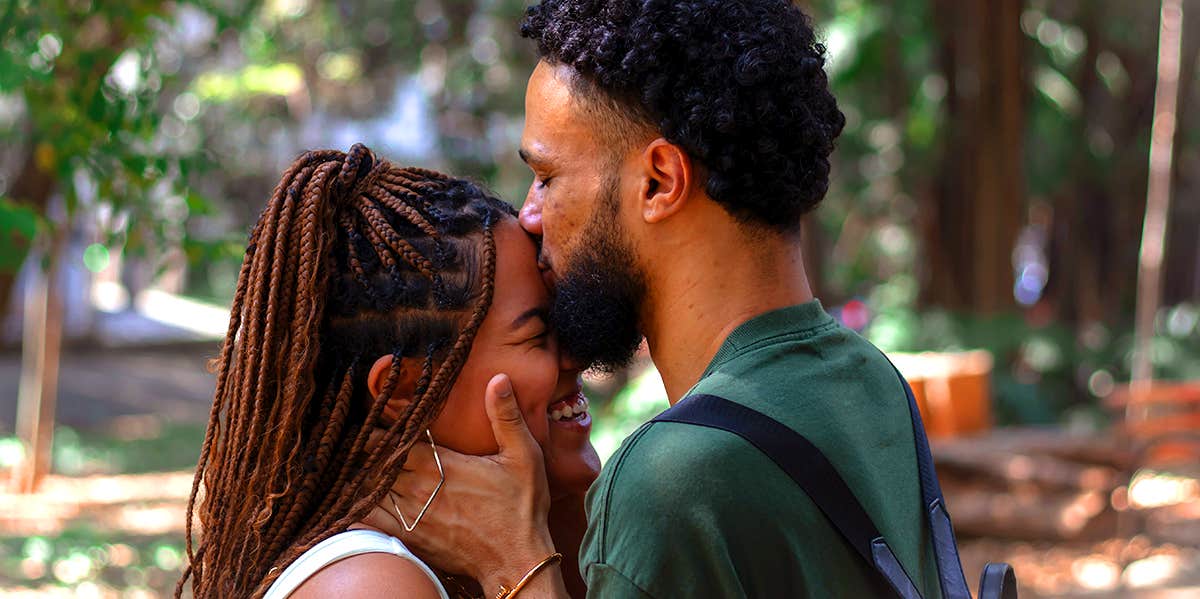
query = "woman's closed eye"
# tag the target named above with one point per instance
(540, 338)
(531, 328)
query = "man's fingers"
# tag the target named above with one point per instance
(507, 422)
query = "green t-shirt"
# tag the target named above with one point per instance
(688, 511)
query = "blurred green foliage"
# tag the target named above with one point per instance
(170, 446)
(83, 91)
(163, 125)
(18, 228)
(634, 403)
(91, 562)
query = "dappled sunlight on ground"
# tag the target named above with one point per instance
(110, 523)
(1112, 568)
(122, 536)
(135, 504)
(96, 536)
(1159, 558)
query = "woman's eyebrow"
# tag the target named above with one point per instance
(538, 312)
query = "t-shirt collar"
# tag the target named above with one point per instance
(792, 319)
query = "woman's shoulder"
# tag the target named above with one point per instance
(361, 563)
(369, 575)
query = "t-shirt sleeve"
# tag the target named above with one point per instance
(654, 529)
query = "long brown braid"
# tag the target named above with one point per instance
(352, 259)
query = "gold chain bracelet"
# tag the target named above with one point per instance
(507, 593)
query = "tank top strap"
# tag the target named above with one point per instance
(339, 547)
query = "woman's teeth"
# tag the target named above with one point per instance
(571, 409)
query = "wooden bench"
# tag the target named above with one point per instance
(1161, 420)
(953, 390)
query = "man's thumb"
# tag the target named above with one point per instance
(507, 422)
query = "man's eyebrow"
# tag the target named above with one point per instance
(539, 312)
(530, 157)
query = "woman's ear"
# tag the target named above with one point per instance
(404, 389)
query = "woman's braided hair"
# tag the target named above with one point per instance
(352, 259)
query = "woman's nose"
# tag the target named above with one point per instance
(531, 216)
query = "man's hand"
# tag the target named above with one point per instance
(489, 519)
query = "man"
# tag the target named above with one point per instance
(675, 146)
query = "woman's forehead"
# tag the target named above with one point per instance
(519, 286)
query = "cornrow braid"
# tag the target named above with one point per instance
(351, 259)
(420, 413)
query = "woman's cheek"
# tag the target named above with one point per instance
(463, 424)
(540, 392)
(535, 414)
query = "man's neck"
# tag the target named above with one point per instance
(706, 289)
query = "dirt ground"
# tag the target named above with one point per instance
(120, 535)
(98, 385)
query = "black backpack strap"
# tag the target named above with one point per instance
(997, 582)
(945, 548)
(809, 468)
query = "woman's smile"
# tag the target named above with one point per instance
(570, 410)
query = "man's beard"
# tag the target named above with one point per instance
(597, 298)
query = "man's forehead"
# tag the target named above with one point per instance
(553, 117)
(555, 79)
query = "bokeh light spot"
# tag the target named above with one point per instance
(95, 257)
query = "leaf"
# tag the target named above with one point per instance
(198, 205)
(18, 228)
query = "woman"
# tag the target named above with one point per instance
(373, 306)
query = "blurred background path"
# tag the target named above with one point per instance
(103, 385)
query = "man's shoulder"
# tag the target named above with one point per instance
(819, 385)
(666, 465)
(662, 454)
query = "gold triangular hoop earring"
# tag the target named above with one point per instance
(442, 480)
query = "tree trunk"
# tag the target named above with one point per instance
(32, 187)
(41, 329)
(41, 345)
(1077, 234)
(1181, 277)
(972, 220)
(1158, 193)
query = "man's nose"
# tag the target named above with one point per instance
(567, 363)
(531, 216)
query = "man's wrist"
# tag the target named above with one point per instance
(518, 561)
(547, 584)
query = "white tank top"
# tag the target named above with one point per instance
(339, 547)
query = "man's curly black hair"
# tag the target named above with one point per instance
(738, 84)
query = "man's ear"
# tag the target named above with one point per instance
(402, 392)
(668, 180)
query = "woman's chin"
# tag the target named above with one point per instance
(572, 483)
(572, 464)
